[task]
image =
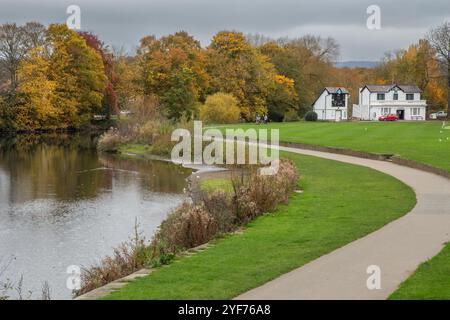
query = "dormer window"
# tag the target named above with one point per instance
(396, 96)
(381, 96)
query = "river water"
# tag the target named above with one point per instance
(63, 204)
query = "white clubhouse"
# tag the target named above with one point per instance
(332, 104)
(401, 100)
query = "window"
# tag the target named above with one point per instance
(338, 100)
(410, 96)
(385, 111)
(415, 111)
(380, 96)
(395, 96)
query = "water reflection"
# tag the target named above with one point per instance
(62, 204)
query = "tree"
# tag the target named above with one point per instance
(34, 34)
(38, 112)
(238, 69)
(307, 61)
(79, 74)
(220, 108)
(173, 69)
(440, 40)
(128, 83)
(13, 46)
(15, 41)
(282, 98)
(110, 100)
(416, 65)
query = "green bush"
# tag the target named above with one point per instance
(291, 116)
(311, 116)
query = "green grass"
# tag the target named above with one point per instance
(430, 281)
(214, 184)
(340, 203)
(424, 142)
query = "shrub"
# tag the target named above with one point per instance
(292, 115)
(110, 141)
(189, 226)
(311, 116)
(126, 259)
(220, 108)
(262, 193)
(219, 204)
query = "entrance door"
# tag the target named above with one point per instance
(338, 115)
(401, 114)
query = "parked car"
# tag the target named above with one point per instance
(438, 115)
(388, 117)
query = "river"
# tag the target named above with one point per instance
(63, 204)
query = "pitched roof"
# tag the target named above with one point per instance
(335, 89)
(330, 90)
(389, 87)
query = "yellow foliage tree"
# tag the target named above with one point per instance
(237, 68)
(38, 110)
(220, 108)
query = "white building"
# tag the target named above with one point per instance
(401, 100)
(332, 104)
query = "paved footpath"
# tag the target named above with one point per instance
(397, 248)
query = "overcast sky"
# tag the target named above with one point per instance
(123, 23)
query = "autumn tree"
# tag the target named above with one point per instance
(238, 69)
(78, 73)
(128, 79)
(61, 83)
(307, 60)
(38, 111)
(110, 99)
(173, 69)
(416, 65)
(282, 98)
(440, 40)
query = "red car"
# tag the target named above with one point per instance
(389, 117)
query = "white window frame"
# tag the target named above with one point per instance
(385, 111)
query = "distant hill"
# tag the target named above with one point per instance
(356, 64)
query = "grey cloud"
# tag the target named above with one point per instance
(125, 22)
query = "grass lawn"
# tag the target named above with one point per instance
(340, 203)
(430, 281)
(214, 184)
(424, 142)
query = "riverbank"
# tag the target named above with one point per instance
(321, 219)
(93, 127)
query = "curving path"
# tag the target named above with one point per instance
(397, 248)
